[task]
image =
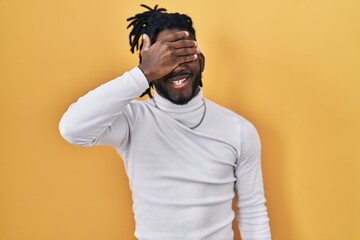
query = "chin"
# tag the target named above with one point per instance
(180, 99)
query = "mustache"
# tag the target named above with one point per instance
(182, 73)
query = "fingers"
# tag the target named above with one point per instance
(187, 58)
(183, 47)
(184, 44)
(186, 51)
(170, 49)
(176, 36)
(146, 42)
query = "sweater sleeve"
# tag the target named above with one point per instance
(252, 214)
(88, 121)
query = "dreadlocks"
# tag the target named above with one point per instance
(151, 23)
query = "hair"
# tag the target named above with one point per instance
(151, 23)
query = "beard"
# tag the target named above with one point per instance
(181, 99)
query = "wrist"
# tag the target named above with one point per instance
(147, 73)
(139, 78)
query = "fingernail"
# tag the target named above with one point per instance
(186, 33)
(198, 50)
(196, 56)
(195, 43)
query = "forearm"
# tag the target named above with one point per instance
(252, 216)
(91, 114)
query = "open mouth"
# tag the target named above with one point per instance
(179, 81)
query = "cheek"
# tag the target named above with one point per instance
(195, 66)
(161, 85)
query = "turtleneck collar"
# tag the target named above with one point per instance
(190, 114)
(167, 106)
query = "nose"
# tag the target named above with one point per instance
(179, 68)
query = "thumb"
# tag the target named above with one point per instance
(146, 42)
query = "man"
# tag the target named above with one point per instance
(185, 156)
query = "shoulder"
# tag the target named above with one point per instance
(139, 104)
(219, 114)
(230, 124)
(139, 108)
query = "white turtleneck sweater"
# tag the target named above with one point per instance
(182, 180)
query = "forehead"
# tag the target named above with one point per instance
(167, 32)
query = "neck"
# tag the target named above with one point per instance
(191, 114)
(167, 106)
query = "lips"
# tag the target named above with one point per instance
(179, 80)
(179, 83)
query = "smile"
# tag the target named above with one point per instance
(179, 81)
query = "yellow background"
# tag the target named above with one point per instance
(290, 67)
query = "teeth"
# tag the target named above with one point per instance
(178, 82)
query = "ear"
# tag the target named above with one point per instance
(201, 61)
